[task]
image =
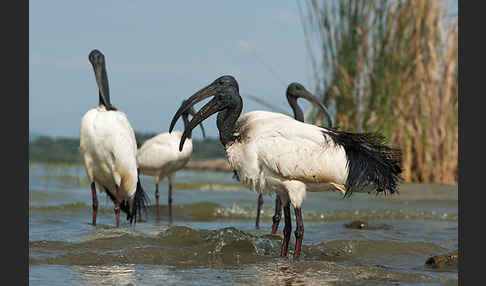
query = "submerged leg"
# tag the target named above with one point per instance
(287, 229)
(299, 232)
(117, 206)
(278, 214)
(259, 208)
(157, 199)
(95, 202)
(171, 177)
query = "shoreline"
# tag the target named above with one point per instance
(216, 165)
(222, 165)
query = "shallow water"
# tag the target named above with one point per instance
(213, 240)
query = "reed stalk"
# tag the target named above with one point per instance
(390, 67)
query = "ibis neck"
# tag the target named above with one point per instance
(103, 89)
(102, 101)
(298, 114)
(226, 122)
(106, 102)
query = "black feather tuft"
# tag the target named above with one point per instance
(140, 202)
(370, 162)
(235, 175)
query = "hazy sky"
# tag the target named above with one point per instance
(157, 53)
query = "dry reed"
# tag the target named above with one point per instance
(391, 67)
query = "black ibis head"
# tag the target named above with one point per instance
(226, 100)
(97, 60)
(295, 91)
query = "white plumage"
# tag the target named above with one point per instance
(276, 153)
(108, 149)
(159, 156)
(294, 92)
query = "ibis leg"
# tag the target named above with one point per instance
(170, 199)
(278, 214)
(287, 229)
(95, 202)
(299, 232)
(157, 199)
(117, 206)
(259, 208)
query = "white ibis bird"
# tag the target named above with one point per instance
(159, 157)
(294, 91)
(108, 148)
(274, 153)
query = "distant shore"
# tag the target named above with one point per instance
(217, 165)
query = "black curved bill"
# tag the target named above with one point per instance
(307, 95)
(193, 113)
(188, 103)
(207, 110)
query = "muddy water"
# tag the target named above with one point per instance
(213, 240)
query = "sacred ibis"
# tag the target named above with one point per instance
(294, 91)
(108, 149)
(159, 157)
(277, 154)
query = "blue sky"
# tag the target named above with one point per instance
(157, 53)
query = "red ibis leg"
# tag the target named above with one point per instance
(299, 232)
(259, 208)
(95, 202)
(170, 199)
(117, 206)
(287, 229)
(278, 214)
(157, 199)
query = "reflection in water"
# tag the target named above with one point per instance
(126, 274)
(109, 274)
(286, 272)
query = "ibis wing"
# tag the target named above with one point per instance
(298, 151)
(127, 129)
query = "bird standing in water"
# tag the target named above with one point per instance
(294, 91)
(159, 157)
(108, 149)
(274, 153)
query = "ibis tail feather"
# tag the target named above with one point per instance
(140, 202)
(370, 162)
